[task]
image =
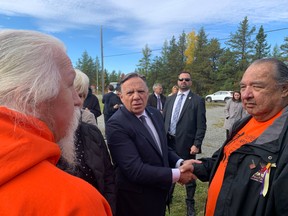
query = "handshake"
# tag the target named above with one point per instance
(186, 171)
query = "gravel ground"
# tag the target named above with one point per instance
(215, 134)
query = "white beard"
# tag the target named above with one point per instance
(67, 143)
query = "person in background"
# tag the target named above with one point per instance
(157, 99)
(138, 145)
(81, 84)
(185, 125)
(115, 102)
(174, 90)
(39, 111)
(233, 111)
(94, 162)
(248, 174)
(92, 104)
(105, 100)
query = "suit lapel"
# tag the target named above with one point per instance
(158, 130)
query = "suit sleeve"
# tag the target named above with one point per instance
(201, 123)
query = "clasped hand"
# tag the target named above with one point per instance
(186, 171)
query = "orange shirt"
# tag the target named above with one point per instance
(252, 130)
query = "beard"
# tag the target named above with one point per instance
(67, 143)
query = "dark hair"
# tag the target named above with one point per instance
(233, 96)
(281, 73)
(110, 87)
(184, 72)
(132, 75)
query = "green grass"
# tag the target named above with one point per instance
(178, 207)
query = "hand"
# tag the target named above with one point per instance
(188, 165)
(186, 177)
(194, 150)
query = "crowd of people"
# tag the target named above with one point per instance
(56, 161)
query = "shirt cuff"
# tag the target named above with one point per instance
(178, 164)
(175, 175)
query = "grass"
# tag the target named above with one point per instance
(178, 207)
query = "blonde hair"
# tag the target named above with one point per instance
(81, 83)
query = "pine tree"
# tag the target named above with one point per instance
(242, 45)
(262, 48)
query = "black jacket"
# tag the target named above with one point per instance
(152, 100)
(96, 168)
(92, 103)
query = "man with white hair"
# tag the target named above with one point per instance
(39, 107)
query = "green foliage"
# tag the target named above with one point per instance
(262, 48)
(284, 48)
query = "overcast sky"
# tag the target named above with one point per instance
(128, 25)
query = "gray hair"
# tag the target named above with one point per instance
(156, 85)
(81, 83)
(29, 69)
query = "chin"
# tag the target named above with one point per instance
(66, 144)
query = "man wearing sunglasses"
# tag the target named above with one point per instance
(185, 124)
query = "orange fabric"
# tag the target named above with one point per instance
(30, 183)
(247, 134)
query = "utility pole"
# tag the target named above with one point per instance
(102, 61)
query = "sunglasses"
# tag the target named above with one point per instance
(186, 79)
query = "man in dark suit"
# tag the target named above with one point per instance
(106, 100)
(157, 99)
(138, 146)
(185, 125)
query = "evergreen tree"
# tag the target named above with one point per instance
(87, 66)
(284, 49)
(145, 62)
(262, 48)
(276, 52)
(242, 45)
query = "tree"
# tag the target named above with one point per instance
(242, 45)
(262, 48)
(201, 67)
(276, 52)
(191, 46)
(87, 66)
(284, 48)
(145, 61)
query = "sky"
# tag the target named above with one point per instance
(129, 25)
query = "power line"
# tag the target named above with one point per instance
(132, 53)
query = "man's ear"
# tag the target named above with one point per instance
(284, 89)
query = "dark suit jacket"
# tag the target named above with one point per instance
(92, 103)
(143, 175)
(191, 126)
(152, 100)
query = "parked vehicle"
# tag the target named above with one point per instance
(222, 96)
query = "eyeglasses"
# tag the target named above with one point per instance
(186, 79)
